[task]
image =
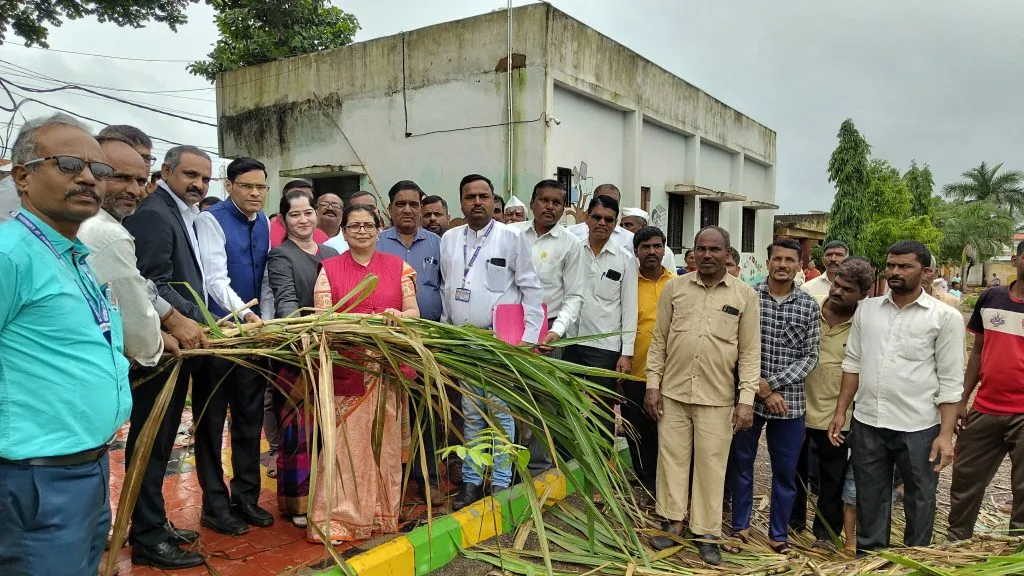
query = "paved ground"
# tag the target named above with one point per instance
(279, 549)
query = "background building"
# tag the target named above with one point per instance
(434, 104)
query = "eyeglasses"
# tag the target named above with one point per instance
(149, 159)
(605, 219)
(360, 226)
(335, 205)
(75, 165)
(252, 187)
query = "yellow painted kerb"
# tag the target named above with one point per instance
(481, 521)
(394, 558)
(552, 478)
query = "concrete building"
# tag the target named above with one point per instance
(809, 229)
(432, 105)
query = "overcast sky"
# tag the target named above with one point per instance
(940, 81)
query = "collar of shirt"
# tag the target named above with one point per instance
(192, 210)
(664, 273)
(528, 229)
(762, 286)
(392, 234)
(243, 214)
(923, 299)
(694, 277)
(60, 243)
(609, 246)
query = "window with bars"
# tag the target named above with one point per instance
(749, 229)
(708, 213)
(676, 206)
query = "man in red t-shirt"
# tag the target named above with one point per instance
(995, 425)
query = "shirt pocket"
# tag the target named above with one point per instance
(682, 318)
(725, 327)
(431, 272)
(916, 347)
(607, 288)
(499, 277)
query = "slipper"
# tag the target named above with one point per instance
(780, 548)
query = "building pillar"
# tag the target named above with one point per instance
(632, 148)
(691, 175)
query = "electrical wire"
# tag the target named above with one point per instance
(98, 55)
(29, 70)
(95, 97)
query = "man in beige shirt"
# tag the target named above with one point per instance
(708, 322)
(850, 285)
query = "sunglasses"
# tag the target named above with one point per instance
(75, 166)
(605, 219)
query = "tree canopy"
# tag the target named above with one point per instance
(986, 182)
(257, 31)
(889, 214)
(31, 20)
(921, 185)
(848, 171)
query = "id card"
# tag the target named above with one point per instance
(462, 294)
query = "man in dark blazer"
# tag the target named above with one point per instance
(168, 254)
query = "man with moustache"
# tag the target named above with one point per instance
(905, 367)
(850, 284)
(732, 263)
(499, 209)
(234, 240)
(361, 198)
(706, 331)
(790, 338)
(485, 263)
(649, 245)
(820, 286)
(63, 372)
(635, 219)
(515, 211)
(167, 253)
(328, 214)
(558, 258)
(421, 249)
(112, 258)
(435, 215)
(620, 236)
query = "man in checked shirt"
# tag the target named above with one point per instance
(790, 336)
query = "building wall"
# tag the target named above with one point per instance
(590, 132)
(663, 162)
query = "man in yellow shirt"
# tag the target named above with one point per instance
(649, 247)
(706, 323)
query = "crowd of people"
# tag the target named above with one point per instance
(105, 264)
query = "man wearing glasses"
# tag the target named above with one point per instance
(57, 423)
(361, 198)
(328, 215)
(132, 135)
(234, 240)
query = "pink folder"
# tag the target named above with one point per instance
(510, 322)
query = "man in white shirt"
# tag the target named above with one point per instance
(905, 367)
(485, 263)
(836, 253)
(609, 297)
(558, 257)
(619, 236)
(234, 240)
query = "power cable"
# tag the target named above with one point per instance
(29, 70)
(95, 97)
(19, 73)
(98, 55)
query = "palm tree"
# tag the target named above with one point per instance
(986, 183)
(976, 231)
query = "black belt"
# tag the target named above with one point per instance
(83, 457)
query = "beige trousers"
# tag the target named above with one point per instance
(702, 434)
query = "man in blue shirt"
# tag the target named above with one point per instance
(56, 423)
(421, 249)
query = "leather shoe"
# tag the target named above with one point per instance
(224, 524)
(468, 494)
(664, 542)
(181, 535)
(253, 515)
(166, 556)
(710, 553)
(436, 497)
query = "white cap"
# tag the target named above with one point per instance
(514, 202)
(635, 212)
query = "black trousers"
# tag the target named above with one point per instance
(831, 464)
(875, 452)
(594, 358)
(149, 516)
(430, 427)
(643, 449)
(222, 384)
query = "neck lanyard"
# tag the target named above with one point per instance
(476, 251)
(100, 314)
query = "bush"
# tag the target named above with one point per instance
(969, 302)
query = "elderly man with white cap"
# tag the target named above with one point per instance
(634, 220)
(515, 211)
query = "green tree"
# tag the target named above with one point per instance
(973, 232)
(848, 171)
(889, 207)
(921, 185)
(257, 31)
(985, 182)
(31, 19)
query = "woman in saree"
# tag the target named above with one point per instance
(367, 479)
(292, 269)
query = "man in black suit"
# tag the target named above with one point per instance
(167, 252)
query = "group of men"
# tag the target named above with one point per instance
(104, 269)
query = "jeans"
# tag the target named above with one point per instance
(474, 423)
(785, 438)
(54, 519)
(875, 452)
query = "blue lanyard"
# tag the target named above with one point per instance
(476, 251)
(101, 314)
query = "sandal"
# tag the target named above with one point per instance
(735, 549)
(780, 548)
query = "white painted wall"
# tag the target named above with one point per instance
(715, 170)
(755, 181)
(589, 131)
(662, 162)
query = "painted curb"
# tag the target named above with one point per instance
(430, 547)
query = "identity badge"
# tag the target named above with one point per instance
(462, 294)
